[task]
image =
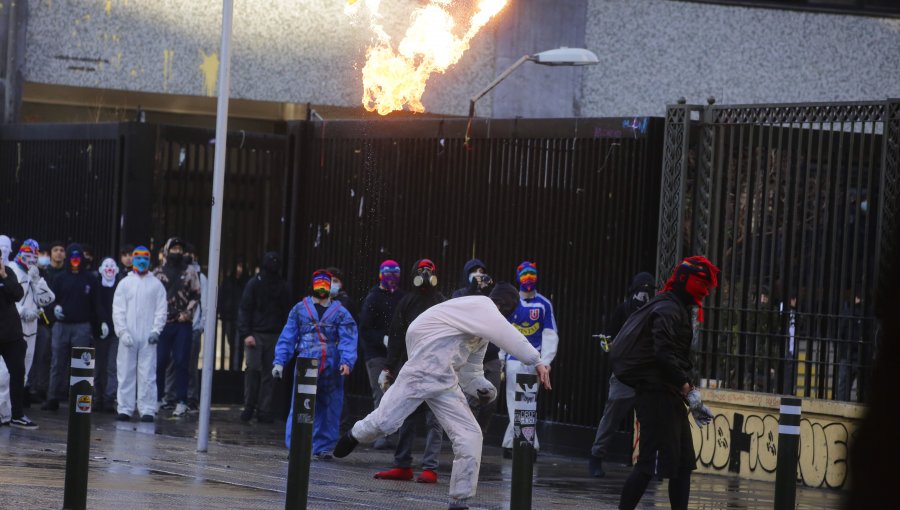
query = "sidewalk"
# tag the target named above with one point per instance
(136, 465)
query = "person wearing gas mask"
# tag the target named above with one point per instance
(476, 281)
(424, 296)
(107, 344)
(12, 346)
(182, 283)
(261, 315)
(77, 312)
(446, 346)
(318, 327)
(534, 318)
(620, 399)
(652, 354)
(140, 311)
(374, 323)
(197, 326)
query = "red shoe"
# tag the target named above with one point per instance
(427, 476)
(395, 474)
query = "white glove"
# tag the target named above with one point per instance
(126, 340)
(58, 312)
(277, 371)
(385, 379)
(34, 274)
(385, 340)
(693, 399)
(28, 316)
(702, 416)
(104, 330)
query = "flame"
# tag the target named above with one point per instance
(396, 78)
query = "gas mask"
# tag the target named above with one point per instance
(527, 276)
(108, 272)
(140, 260)
(321, 284)
(425, 274)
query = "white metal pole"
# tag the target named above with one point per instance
(215, 225)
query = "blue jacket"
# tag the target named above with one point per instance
(301, 337)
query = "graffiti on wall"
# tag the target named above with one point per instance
(748, 445)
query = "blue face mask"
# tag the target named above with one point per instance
(141, 264)
(44, 261)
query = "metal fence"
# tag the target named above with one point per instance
(578, 197)
(792, 203)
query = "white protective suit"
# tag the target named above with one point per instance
(446, 346)
(139, 309)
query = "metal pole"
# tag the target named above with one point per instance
(304, 406)
(78, 443)
(524, 422)
(788, 451)
(215, 225)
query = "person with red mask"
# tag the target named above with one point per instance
(652, 354)
(77, 313)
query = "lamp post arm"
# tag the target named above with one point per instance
(496, 81)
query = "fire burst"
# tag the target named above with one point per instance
(394, 78)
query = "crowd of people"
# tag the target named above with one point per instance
(428, 358)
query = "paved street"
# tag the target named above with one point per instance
(135, 465)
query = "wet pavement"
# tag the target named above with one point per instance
(155, 465)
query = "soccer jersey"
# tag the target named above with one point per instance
(532, 317)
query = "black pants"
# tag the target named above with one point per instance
(13, 354)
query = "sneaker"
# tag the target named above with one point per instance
(148, 418)
(165, 406)
(247, 414)
(458, 504)
(427, 476)
(180, 410)
(346, 444)
(50, 405)
(123, 417)
(5, 423)
(395, 474)
(595, 466)
(23, 423)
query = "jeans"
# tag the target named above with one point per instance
(258, 381)
(618, 405)
(105, 377)
(65, 336)
(174, 343)
(434, 437)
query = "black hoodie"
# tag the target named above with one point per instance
(10, 293)
(266, 301)
(410, 306)
(471, 289)
(77, 294)
(630, 305)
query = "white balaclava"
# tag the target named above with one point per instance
(5, 248)
(108, 272)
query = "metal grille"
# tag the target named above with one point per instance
(787, 200)
(579, 197)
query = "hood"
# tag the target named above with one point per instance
(72, 248)
(469, 267)
(271, 265)
(506, 297)
(640, 280)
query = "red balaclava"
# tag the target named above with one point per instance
(695, 276)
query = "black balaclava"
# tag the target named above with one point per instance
(506, 297)
(642, 289)
(271, 265)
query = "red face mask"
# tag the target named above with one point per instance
(697, 287)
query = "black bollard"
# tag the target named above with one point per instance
(524, 423)
(305, 375)
(788, 450)
(78, 444)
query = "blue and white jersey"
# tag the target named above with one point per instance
(532, 317)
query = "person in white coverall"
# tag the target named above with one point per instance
(446, 346)
(139, 315)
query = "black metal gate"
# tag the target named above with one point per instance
(793, 203)
(578, 196)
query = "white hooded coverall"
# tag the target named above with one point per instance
(139, 308)
(446, 346)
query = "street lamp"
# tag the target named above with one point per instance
(558, 57)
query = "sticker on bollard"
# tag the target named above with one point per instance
(304, 409)
(81, 390)
(788, 453)
(524, 423)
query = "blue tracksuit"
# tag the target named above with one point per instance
(337, 347)
(532, 317)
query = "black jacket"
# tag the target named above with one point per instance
(10, 293)
(375, 320)
(106, 302)
(410, 306)
(230, 297)
(79, 298)
(347, 303)
(264, 306)
(653, 349)
(630, 305)
(471, 289)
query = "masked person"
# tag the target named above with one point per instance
(318, 327)
(374, 324)
(262, 312)
(198, 323)
(140, 310)
(230, 295)
(182, 283)
(620, 399)
(77, 312)
(5, 248)
(12, 346)
(339, 292)
(446, 346)
(37, 294)
(534, 318)
(652, 354)
(107, 344)
(476, 281)
(424, 296)
(39, 375)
